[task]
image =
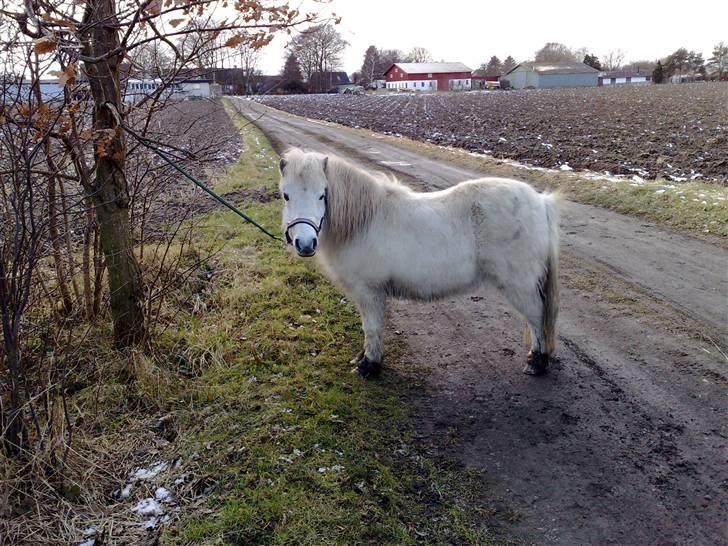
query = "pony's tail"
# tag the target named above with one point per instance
(550, 285)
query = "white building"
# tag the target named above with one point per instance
(136, 89)
(623, 78)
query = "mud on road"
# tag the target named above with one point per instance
(625, 441)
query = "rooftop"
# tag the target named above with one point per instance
(557, 68)
(430, 68)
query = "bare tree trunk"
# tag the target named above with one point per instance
(67, 240)
(86, 261)
(11, 422)
(110, 192)
(54, 235)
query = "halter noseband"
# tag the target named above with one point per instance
(296, 221)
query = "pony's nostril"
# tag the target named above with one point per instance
(297, 245)
(315, 243)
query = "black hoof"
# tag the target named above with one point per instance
(358, 358)
(368, 368)
(536, 363)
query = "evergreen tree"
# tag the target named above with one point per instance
(494, 67)
(658, 74)
(292, 76)
(370, 66)
(593, 61)
(508, 65)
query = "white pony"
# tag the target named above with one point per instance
(377, 238)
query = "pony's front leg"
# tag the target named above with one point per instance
(371, 305)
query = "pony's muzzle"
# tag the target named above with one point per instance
(305, 248)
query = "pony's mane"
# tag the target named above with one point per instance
(354, 197)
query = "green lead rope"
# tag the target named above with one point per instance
(219, 198)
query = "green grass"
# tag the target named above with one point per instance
(691, 206)
(299, 450)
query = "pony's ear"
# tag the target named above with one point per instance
(325, 163)
(282, 165)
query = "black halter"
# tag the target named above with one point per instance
(296, 221)
(316, 228)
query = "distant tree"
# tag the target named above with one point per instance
(356, 78)
(719, 61)
(151, 60)
(696, 63)
(249, 58)
(658, 75)
(676, 62)
(592, 60)
(292, 79)
(370, 65)
(554, 52)
(418, 55)
(387, 57)
(509, 64)
(613, 60)
(318, 49)
(481, 70)
(494, 67)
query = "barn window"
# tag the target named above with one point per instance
(429, 75)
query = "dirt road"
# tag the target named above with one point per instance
(625, 442)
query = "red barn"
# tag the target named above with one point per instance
(428, 76)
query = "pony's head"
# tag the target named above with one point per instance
(303, 187)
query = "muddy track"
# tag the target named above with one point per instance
(625, 442)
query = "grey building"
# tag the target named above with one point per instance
(544, 75)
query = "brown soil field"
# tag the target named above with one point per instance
(678, 132)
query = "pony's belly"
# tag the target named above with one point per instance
(430, 281)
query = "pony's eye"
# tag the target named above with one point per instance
(322, 197)
(285, 196)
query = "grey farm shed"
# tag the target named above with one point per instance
(544, 75)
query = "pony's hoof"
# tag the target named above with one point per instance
(358, 358)
(368, 368)
(536, 363)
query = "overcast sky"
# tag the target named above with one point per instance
(470, 31)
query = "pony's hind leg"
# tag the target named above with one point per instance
(371, 305)
(529, 303)
(537, 361)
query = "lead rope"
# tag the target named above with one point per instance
(219, 198)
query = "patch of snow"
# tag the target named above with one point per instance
(396, 163)
(501, 139)
(565, 167)
(147, 474)
(659, 191)
(126, 491)
(88, 542)
(163, 494)
(148, 507)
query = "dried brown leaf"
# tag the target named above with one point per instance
(234, 41)
(44, 45)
